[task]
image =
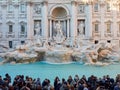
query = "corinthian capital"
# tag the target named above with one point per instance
(73, 2)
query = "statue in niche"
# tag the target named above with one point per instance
(37, 29)
(81, 28)
(58, 28)
(59, 37)
(38, 9)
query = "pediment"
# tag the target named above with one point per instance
(109, 21)
(22, 22)
(96, 21)
(10, 22)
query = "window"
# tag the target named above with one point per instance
(10, 44)
(108, 7)
(96, 27)
(108, 28)
(22, 8)
(96, 7)
(10, 28)
(10, 8)
(22, 29)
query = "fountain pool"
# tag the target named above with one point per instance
(50, 71)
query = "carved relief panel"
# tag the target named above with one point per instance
(81, 9)
(37, 9)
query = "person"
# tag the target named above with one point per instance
(57, 83)
(117, 86)
(38, 82)
(8, 77)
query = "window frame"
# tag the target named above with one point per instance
(10, 28)
(22, 8)
(108, 7)
(108, 27)
(96, 7)
(22, 29)
(10, 8)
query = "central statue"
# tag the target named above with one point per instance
(59, 37)
(58, 28)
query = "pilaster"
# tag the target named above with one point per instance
(45, 19)
(88, 21)
(114, 15)
(73, 20)
(102, 25)
(30, 23)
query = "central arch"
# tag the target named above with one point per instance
(59, 13)
(60, 8)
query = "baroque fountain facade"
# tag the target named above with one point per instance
(60, 31)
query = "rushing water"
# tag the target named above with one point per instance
(50, 71)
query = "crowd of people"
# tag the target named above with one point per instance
(22, 82)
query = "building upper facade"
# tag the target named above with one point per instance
(22, 20)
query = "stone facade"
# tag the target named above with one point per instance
(22, 20)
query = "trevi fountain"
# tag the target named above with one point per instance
(61, 50)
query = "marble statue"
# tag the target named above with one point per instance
(37, 29)
(58, 28)
(81, 28)
(59, 37)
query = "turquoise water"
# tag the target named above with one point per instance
(50, 71)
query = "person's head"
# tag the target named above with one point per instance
(70, 77)
(57, 78)
(6, 74)
(38, 79)
(0, 77)
(63, 80)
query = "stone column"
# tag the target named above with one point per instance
(50, 28)
(30, 22)
(68, 28)
(64, 29)
(45, 20)
(88, 21)
(73, 20)
(53, 27)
